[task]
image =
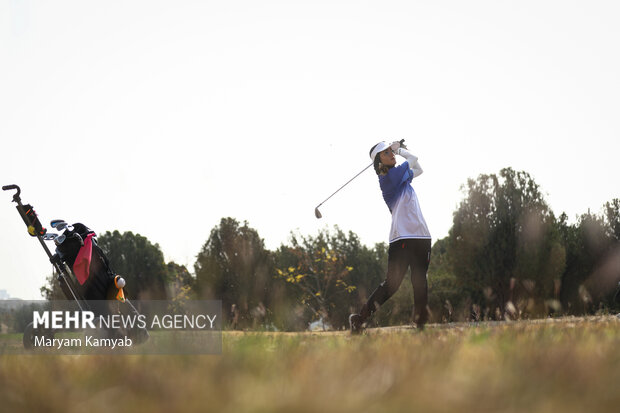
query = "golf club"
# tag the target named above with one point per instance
(50, 236)
(57, 238)
(317, 213)
(63, 225)
(55, 222)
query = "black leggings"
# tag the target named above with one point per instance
(414, 253)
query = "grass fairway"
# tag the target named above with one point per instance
(562, 365)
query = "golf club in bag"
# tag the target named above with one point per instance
(83, 272)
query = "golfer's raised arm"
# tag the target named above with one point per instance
(412, 160)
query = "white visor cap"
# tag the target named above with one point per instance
(380, 147)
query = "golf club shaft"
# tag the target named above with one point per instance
(358, 174)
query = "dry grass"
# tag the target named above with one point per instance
(568, 365)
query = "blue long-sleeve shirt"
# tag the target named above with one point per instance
(401, 199)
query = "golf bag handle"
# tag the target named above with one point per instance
(11, 187)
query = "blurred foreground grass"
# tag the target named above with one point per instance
(562, 365)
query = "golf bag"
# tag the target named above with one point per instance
(83, 272)
(80, 252)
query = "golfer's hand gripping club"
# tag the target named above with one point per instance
(398, 144)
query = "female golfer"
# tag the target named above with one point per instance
(410, 240)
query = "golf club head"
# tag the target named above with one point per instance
(60, 239)
(317, 213)
(61, 226)
(50, 237)
(54, 223)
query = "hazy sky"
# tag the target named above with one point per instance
(161, 117)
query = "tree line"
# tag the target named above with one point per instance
(507, 256)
